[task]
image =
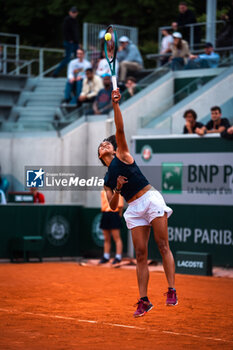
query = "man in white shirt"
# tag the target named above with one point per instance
(75, 75)
(92, 84)
(165, 46)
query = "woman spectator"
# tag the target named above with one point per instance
(180, 52)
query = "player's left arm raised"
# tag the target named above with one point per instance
(122, 147)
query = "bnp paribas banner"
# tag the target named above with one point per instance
(188, 170)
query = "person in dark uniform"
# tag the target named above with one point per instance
(71, 38)
(146, 208)
(111, 224)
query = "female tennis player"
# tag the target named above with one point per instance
(146, 208)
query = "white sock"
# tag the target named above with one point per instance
(118, 256)
(106, 256)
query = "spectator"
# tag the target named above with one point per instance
(2, 197)
(209, 59)
(38, 197)
(103, 101)
(180, 52)
(184, 18)
(228, 133)
(71, 38)
(191, 124)
(216, 124)
(75, 76)
(131, 89)
(165, 46)
(4, 183)
(129, 58)
(111, 224)
(103, 66)
(92, 84)
(225, 38)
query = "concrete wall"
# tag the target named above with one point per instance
(76, 145)
(147, 103)
(217, 92)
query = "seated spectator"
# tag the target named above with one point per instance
(92, 84)
(131, 89)
(38, 197)
(4, 183)
(228, 133)
(103, 101)
(209, 59)
(216, 124)
(75, 76)
(2, 197)
(191, 124)
(180, 52)
(129, 58)
(165, 46)
(103, 66)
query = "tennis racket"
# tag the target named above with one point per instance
(110, 49)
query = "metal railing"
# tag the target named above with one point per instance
(14, 56)
(92, 41)
(201, 26)
(16, 46)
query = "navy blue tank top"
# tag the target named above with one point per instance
(136, 180)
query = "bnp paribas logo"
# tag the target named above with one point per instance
(172, 177)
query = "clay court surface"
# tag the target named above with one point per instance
(66, 306)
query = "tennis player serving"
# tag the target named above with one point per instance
(146, 208)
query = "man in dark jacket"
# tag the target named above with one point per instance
(71, 39)
(185, 17)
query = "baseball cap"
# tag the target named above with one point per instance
(124, 39)
(73, 9)
(208, 45)
(177, 35)
(101, 33)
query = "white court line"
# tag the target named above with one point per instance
(114, 325)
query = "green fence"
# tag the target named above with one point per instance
(68, 231)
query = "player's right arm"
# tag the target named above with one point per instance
(122, 147)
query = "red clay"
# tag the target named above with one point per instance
(47, 306)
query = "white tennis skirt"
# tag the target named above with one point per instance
(146, 208)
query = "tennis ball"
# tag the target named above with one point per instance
(108, 36)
